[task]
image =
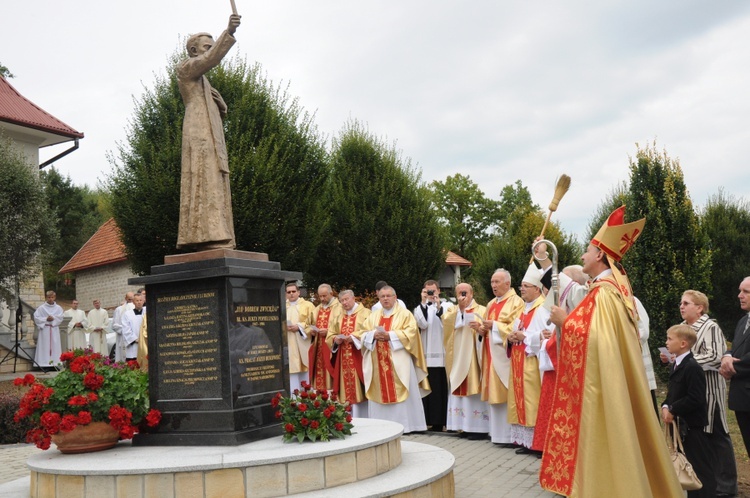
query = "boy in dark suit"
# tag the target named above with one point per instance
(686, 401)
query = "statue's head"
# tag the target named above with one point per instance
(199, 44)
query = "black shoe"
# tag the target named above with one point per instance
(463, 434)
(523, 451)
(537, 453)
(476, 436)
(506, 445)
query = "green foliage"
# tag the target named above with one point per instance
(5, 72)
(513, 252)
(672, 254)
(726, 220)
(380, 225)
(27, 227)
(515, 205)
(77, 216)
(276, 158)
(521, 223)
(465, 213)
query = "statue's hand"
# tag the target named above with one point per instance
(234, 23)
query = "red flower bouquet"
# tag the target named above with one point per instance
(90, 388)
(312, 415)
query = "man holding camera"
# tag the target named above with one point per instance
(428, 315)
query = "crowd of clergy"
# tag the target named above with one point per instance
(565, 376)
(89, 330)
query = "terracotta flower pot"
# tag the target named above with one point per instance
(96, 436)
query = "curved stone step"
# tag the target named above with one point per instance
(424, 471)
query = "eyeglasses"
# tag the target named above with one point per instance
(685, 303)
(291, 292)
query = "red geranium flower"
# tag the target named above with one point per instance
(339, 426)
(289, 428)
(278, 414)
(153, 418)
(67, 356)
(93, 381)
(78, 400)
(316, 404)
(50, 422)
(314, 424)
(68, 423)
(348, 418)
(84, 418)
(274, 402)
(92, 397)
(304, 422)
(302, 407)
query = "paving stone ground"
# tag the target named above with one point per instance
(482, 468)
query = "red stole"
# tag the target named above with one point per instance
(348, 363)
(517, 360)
(320, 353)
(386, 369)
(561, 446)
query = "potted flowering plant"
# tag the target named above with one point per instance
(313, 415)
(91, 391)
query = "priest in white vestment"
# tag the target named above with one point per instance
(48, 318)
(466, 410)
(117, 325)
(76, 327)
(393, 364)
(98, 320)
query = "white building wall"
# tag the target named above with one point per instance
(107, 283)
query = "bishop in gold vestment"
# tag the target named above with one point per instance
(603, 438)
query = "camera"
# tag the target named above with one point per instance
(430, 292)
(463, 293)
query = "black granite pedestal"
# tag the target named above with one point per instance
(217, 349)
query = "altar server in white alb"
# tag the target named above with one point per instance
(466, 410)
(131, 327)
(98, 319)
(429, 316)
(393, 364)
(76, 327)
(48, 318)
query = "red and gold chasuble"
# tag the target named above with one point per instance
(388, 381)
(601, 401)
(517, 360)
(321, 369)
(348, 378)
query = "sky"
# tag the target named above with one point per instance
(498, 91)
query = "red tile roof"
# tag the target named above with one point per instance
(103, 248)
(456, 260)
(17, 109)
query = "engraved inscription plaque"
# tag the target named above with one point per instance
(188, 344)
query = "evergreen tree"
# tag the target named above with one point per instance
(672, 254)
(277, 162)
(380, 224)
(27, 227)
(727, 223)
(76, 213)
